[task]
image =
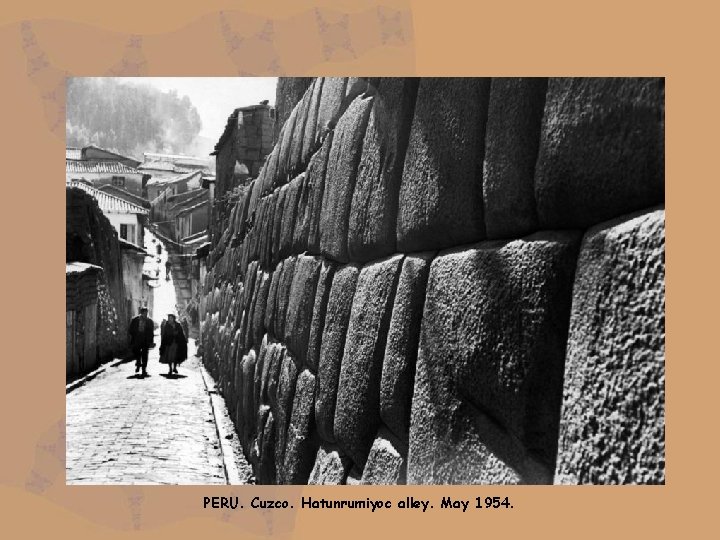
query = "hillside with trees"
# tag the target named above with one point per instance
(128, 118)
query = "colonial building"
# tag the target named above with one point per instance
(174, 185)
(243, 146)
(127, 218)
(102, 173)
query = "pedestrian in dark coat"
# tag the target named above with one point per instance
(142, 339)
(173, 344)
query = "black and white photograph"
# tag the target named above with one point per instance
(365, 280)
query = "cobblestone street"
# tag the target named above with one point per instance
(157, 430)
(123, 429)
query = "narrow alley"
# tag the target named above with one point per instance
(123, 429)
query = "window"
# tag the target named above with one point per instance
(127, 232)
(118, 181)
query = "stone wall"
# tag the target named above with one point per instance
(90, 238)
(448, 281)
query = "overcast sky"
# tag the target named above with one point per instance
(214, 97)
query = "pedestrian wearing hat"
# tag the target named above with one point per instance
(141, 331)
(173, 344)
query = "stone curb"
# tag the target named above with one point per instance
(232, 475)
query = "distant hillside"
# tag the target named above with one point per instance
(130, 119)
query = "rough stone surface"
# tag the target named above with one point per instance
(258, 320)
(316, 185)
(613, 414)
(276, 359)
(337, 316)
(289, 218)
(398, 370)
(309, 143)
(386, 462)
(330, 467)
(299, 311)
(440, 202)
(302, 442)
(288, 93)
(511, 147)
(248, 397)
(331, 100)
(493, 337)
(601, 151)
(283, 294)
(340, 179)
(266, 445)
(285, 397)
(295, 162)
(277, 224)
(357, 415)
(272, 298)
(373, 213)
(493, 361)
(317, 323)
(302, 213)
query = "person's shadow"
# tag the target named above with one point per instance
(138, 376)
(173, 376)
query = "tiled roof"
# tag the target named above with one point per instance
(103, 167)
(125, 194)
(177, 159)
(191, 208)
(110, 152)
(108, 203)
(73, 153)
(157, 166)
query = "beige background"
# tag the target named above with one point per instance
(41, 45)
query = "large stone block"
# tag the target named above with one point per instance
(266, 444)
(612, 428)
(285, 396)
(309, 144)
(278, 224)
(295, 162)
(331, 100)
(440, 202)
(302, 441)
(398, 371)
(299, 311)
(302, 216)
(270, 310)
(337, 316)
(602, 150)
(270, 177)
(386, 462)
(373, 213)
(317, 323)
(260, 304)
(316, 184)
(489, 372)
(340, 179)
(283, 295)
(288, 93)
(276, 357)
(248, 398)
(289, 217)
(284, 146)
(357, 415)
(331, 467)
(511, 147)
(261, 370)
